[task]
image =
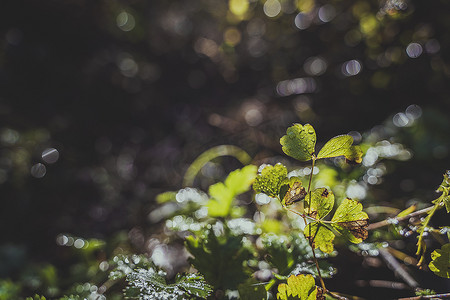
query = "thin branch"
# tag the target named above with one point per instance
(394, 265)
(439, 296)
(390, 220)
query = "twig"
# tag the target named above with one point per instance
(398, 269)
(439, 296)
(408, 216)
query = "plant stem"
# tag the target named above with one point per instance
(440, 296)
(318, 270)
(389, 221)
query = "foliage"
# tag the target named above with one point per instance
(299, 287)
(440, 263)
(151, 284)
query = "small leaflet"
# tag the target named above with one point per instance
(351, 221)
(299, 287)
(320, 204)
(440, 263)
(299, 142)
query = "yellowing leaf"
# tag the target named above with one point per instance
(337, 146)
(298, 287)
(320, 203)
(351, 221)
(341, 146)
(295, 193)
(299, 142)
(440, 263)
(270, 179)
(320, 235)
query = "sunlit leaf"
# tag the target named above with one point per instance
(240, 180)
(321, 236)
(445, 189)
(351, 221)
(337, 146)
(36, 297)
(299, 142)
(440, 263)
(320, 203)
(222, 194)
(296, 192)
(270, 180)
(407, 211)
(298, 287)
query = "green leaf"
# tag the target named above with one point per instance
(320, 203)
(270, 179)
(151, 284)
(440, 263)
(351, 221)
(337, 146)
(298, 287)
(219, 258)
(239, 181)
(252, 290)
(222, 194)
(320, 235)
(445, 189)
(36, 297)
(299, 142)
(341, 146)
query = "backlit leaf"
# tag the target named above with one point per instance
(320, 204)
(337, 146)
(298, 287)
(270, 179)
(351, 221)
(354, 153)
(320, 235)
(445, 189)
(299, 142)
(222, 194)
(440, 263)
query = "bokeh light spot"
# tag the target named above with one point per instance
(414, 50)
(50, 155)
(327, 13)
(238, 7)
(351, 67)
(302, 21)
(125, 21)
(232, 36)
(315, 66)
(272, 8)
(38, 170)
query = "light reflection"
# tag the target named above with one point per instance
(414, 50)
(38, 170)
(296, 86)
(272, 8)
(303, 21)
(401, 120)
(125, 21)
(413, 111)
(50, 155)
(356, 190)
(315, 66)
(327, 13)
(351, 67)
(253, 117)
(262, 199)
(128, 67)
(238, 7)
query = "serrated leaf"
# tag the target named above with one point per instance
(298, 287)
(440, 263)
(270, 180)
(299, 142)
(337, 146)
(219, 259)
(351, 221)
(151, 284)
(320, 203)
(444, 187)
(223, 194)
(296, 192)
(320, 235)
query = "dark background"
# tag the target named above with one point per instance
(131, 92)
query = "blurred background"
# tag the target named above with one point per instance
(105, 104)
